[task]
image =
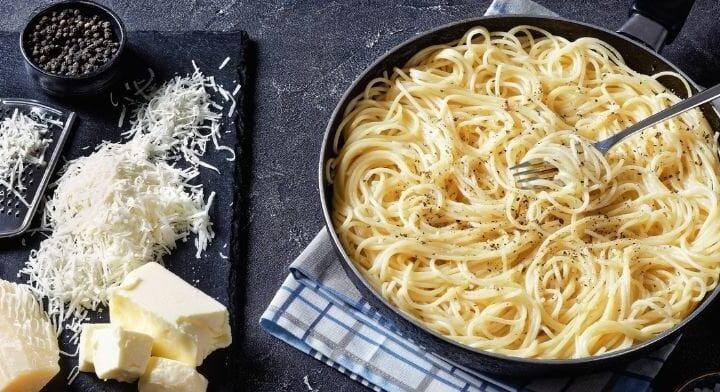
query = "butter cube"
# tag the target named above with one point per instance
(167, 375)
(120, 354)
(185, 323)
(85, 356)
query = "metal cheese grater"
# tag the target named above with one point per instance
(16, 216)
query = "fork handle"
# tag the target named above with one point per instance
(681, 107)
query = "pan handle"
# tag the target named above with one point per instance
(656, 22)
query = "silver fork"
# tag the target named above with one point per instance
(528, 173)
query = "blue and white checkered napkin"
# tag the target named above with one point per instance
(320, 312)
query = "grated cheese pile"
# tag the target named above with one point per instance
(180, 119)
(127, 203)
(22, 142)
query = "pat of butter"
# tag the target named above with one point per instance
(167, 375)
(186, 324)
(120, 354)
(85, 356)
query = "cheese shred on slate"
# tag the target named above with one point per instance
(23, 141)
(179, 119)
(127, 204)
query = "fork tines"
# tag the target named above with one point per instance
(528, 173)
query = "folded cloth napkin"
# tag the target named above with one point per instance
(319, 311)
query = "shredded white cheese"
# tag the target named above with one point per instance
(136, 210)
(306, 381)
(74, 372)
(179, 119)
(23, 142)
(224, 63)
(129, 203)
(121, 120)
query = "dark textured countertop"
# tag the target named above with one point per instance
(308, 52)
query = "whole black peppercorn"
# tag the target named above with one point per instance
(71, 42)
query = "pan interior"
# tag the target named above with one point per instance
(636, 56)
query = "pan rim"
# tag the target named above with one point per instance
(330, 130)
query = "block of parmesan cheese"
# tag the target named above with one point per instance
(167, 375)
(29, 352)
(185, 323)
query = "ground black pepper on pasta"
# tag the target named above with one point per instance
(71, 42)
(620, 249)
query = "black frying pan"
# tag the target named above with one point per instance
(651, 24)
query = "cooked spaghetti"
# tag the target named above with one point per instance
(619, 248)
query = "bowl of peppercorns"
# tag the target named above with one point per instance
(73, 48)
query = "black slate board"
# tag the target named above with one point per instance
(167, 54)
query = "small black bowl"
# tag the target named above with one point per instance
(92, 83)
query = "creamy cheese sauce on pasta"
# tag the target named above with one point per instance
(619, 249)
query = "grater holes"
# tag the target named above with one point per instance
(12, 203)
